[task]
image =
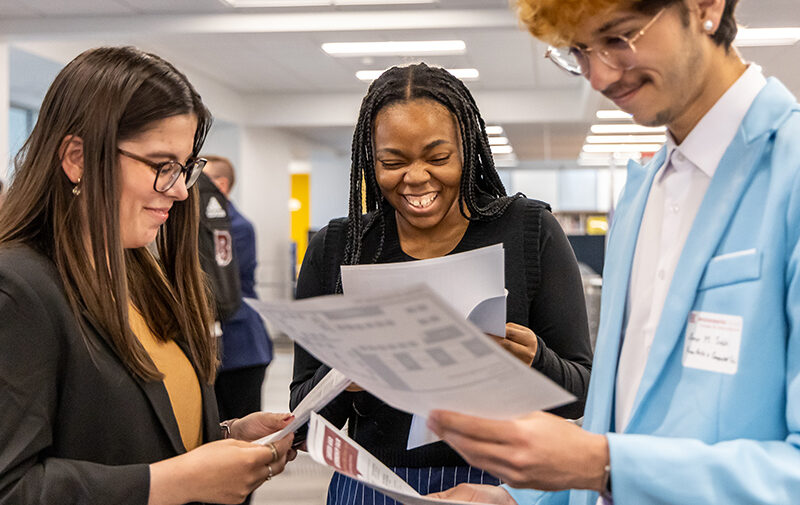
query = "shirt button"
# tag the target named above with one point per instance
(681, 157)
(661, 274)
(674, 208)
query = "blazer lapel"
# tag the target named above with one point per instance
(616, 273)
(211, 418)
(729, 183)
(155, 392)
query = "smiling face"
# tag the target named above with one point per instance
(668, 74)
(418, 163)
(142, 210)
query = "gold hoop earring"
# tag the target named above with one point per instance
(76, 190)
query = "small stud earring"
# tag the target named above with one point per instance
(76, 190)
(708, 25)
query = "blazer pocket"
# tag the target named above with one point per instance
(730, 268)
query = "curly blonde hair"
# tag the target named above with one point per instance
(555, 21)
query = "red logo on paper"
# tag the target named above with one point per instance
(223, 247)
(339, 454)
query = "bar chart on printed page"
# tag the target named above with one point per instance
(415, 352)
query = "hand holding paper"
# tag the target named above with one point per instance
(330, 447)
(520, 341)
(328, 388)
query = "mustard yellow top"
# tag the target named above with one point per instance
(180, 380)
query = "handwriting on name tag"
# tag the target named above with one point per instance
(712, 342)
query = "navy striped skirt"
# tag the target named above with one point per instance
(344, 490)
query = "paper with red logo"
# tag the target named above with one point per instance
(333, 448)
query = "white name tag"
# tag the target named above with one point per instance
(712, 342)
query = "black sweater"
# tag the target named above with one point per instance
(544, 293)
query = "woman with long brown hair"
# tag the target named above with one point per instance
(106, 349)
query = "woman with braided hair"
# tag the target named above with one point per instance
(107, 360)
(421, 156)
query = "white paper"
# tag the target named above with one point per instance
(419, 434)
(472, 282)
(413, 351)
(326, 390)
(333, 448)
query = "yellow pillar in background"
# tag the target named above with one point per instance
(300, 206)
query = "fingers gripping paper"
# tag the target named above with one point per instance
(472, 282)
(330, 447)
(328, 388)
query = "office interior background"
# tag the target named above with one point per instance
(285, 103)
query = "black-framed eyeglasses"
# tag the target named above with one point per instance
(168, 172)
(617, 52)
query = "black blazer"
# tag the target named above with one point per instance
(75, 426)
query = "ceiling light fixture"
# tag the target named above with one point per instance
(502, 149)
(754, 37)
(395, 48)
(250, 4)
(626, 139)
(466, 74)
(613, 114)
(625, 129)
(495, 130)
(498, 141)
(621, 148)
(604, 156)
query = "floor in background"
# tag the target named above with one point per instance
(304, 482)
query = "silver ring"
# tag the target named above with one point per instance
(274, 452)
(270, 472)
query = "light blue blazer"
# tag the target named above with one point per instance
(697, 437)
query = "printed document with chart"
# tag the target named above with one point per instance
(415, 352)
(472, 282)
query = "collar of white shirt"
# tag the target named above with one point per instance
(706, 144)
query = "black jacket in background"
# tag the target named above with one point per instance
(217, 257)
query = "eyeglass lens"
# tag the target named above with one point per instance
(170, 172)
(577, 62)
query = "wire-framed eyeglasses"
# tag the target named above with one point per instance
(617, 52)
(168, 172)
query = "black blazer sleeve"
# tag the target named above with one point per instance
(559, 319)
(308, 370)
(31, 356)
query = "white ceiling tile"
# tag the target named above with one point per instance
(71, 8)
(17, 9)
(175, 6)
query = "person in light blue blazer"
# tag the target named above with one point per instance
(695, 391)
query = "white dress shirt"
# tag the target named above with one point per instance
(675, 197)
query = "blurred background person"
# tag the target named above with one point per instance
(246, 346)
